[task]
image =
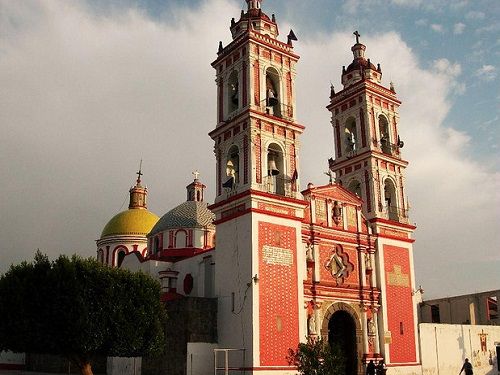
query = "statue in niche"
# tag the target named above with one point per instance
(309, 252)
(337, 213)
(311, 325)
(368, 263)
(371, 327)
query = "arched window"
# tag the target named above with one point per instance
(100, 255)
(273, 92)
(120, 257)
(355, 187)
(156, 245)
(233, 92)
(390, 200)
(385, 138)
(180, 239)
(275, 169)
(350, 136)
(232, 167)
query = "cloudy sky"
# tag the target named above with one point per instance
(88, 88)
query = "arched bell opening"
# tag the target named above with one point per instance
(232, 167)
(355, 187)
(390, 200)
(350, 136)
(233, 99)
(273, 95)
(275, 169)
(385, 139)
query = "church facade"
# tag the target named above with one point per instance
(334, 261)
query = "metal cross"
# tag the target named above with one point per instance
(357, 36)
(139, 173)
(195, 174)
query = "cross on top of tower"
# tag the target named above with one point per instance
(357, 36)
(196, 174)
(139, 174)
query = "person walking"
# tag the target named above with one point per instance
(467, 367)
(370, 368)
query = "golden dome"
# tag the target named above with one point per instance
(131, 222)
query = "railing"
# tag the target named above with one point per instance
(280, 110)
(279, 185)
(387, 147)
(396, 214)
(226, 368)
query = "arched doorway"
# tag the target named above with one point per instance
(342, 335)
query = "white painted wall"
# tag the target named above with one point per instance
(10, 358)
(123, 366)
(445, 346)
(200, 358)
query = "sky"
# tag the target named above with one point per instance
(88, 88)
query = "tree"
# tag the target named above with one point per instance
(317, 357)
(78, 308)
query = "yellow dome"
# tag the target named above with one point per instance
(131, 222)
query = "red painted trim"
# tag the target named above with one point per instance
(246, 158)
(337, 136)
(393, 223)
(408, 240)
(224, 126)
(261, 194)
(275, 214)
(345, 95)
(231, 217)
(363, 127)
(245, 88)
(116, 250)
(403, 364)
(368, 193)
(11, 366)
(177, 254)
(263, 368)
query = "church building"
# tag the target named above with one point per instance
(332, 261)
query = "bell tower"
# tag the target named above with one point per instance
(369, 163)
(258, 204)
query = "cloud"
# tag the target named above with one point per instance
(458, 28)
(407, 3)
(437, 28)
(487, 73)
(444, 66)
(85, 96)
(421, 22)
(441, 174)
(475, 15)
(450, 71)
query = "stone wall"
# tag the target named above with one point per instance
(188, 320)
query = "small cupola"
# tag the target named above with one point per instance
(138, 194)
(254, 4)
(361, 68)
(254, 20)
(195, 189)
